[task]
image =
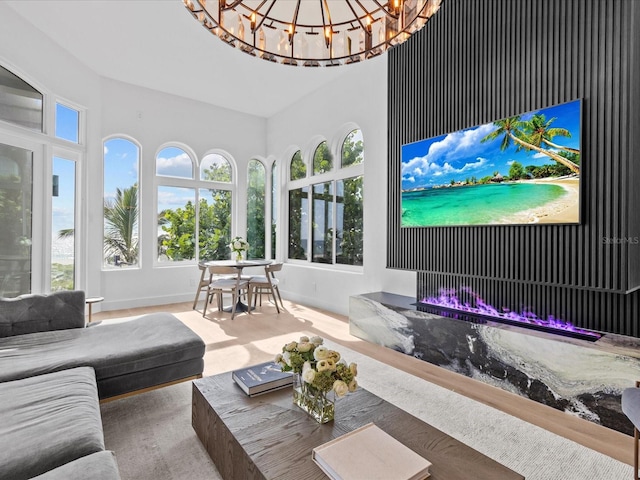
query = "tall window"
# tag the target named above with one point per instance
(194, 214)
(334, 202)
(16, 191)
(121, 203)
(63, 224)
(256, 196)
(274, 206)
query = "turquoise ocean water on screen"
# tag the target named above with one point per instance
(474, 204)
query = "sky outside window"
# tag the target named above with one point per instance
(67, 123)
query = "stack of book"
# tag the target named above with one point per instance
(262, 378)
(369, 452)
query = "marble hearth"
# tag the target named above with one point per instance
(577, 376)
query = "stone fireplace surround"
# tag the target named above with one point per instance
(580, 377)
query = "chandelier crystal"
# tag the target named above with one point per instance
(313, 33)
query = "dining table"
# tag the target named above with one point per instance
(240, 265)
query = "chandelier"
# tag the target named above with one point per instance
(313, 33)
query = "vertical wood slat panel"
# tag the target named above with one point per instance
(480, 61)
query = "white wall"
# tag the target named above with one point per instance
(153, 118)
(360, 97)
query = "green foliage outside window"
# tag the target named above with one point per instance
(353, 149)
(298, 168)
(256, 209)
(322, 159)
(214, 222)
(298, 201)
(350, 234)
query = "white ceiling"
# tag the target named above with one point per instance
(157, 44)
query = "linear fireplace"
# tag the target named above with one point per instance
(460, 303)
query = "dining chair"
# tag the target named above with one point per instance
(204, 282)
(266, 284)
(226, 280)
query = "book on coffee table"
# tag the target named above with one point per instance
(262, 378)
(369, 452)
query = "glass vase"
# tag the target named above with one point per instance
(319, 405)
(238, 255)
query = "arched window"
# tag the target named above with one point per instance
(326, 210)
(194, 214)
(298, 169)
(256, 196)
(121, 203)
(322, 159)
(20, 103)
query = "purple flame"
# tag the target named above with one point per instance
(448, 298)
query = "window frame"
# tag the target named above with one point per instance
(336, 173)
(196, 184)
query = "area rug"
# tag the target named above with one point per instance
(153, 439)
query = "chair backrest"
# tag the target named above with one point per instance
(223, 270)
(273, 267)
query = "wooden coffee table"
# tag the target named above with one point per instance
(268, 437)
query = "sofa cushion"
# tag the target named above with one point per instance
(38, 313)
(113, 350)
(97, 466)
(48, 421)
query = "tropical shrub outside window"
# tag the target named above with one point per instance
(121, 211)
(335, 206)
(256, 197)
(194, 216)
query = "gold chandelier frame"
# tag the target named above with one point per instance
(313, 33)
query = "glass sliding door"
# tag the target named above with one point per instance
(63, 214)
(16, 199)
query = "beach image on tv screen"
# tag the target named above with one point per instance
(523, 169)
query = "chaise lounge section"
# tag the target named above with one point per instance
(54, 370)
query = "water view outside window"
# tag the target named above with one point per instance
(63, 214)
(16, 189)
(322, 235)
(67, 123)
(256, 196)
(121, 205)
(298, 223)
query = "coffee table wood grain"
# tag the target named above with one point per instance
(268, 437)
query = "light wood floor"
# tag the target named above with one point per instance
(254, 338)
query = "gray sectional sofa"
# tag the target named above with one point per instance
(54, 370)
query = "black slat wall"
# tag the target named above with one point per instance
(477, 61)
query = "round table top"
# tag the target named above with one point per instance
(93, 299)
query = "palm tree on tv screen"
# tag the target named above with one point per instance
(513, 129)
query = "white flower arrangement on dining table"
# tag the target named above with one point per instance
(239, 246)
(319, 367)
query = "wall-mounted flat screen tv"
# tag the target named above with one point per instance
(519, 170)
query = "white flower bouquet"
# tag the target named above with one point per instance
(320, 375)
(239, 246)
